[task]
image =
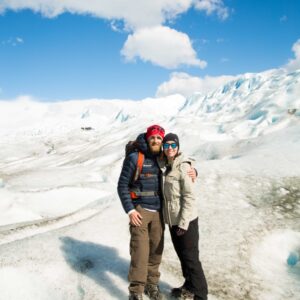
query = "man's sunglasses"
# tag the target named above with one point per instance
(166, 146)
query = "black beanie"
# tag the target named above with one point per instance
(171, 137)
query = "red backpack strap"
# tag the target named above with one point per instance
(139, 166)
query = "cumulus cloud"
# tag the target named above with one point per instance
(161, 46)
(294, 64)
(186, 85)
(135, 14)
(142, 18)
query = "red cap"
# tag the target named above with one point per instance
(155, 129)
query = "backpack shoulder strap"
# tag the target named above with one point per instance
(139, 166)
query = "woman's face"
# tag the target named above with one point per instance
(170, 149)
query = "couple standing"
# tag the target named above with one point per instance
(159, 192)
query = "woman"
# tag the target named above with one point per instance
(180, 213)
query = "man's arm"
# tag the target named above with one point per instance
(127, 173)
(192, 172)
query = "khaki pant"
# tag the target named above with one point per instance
(146, 247)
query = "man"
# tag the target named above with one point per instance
(141, 199)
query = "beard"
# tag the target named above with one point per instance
(155, 148)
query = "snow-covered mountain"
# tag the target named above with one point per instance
(253, 105)
(63, 233)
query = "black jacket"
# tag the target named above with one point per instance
(148, 181)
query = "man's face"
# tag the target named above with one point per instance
(154, 143)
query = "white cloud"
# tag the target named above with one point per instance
(106, 9)
(161, 46)
(143, 18)
(19, 40)
(204, 41)
(184, 84)
(294, 64)
(213, 6)
(135, 14)
(13, 41)
(116, 26)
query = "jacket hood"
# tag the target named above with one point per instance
(142, 143)
(183, 159)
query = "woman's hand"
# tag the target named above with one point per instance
(180, 231)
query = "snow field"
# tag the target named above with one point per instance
(64, 235)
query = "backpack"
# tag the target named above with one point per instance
(132, 146)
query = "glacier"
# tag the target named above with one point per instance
(64, 235)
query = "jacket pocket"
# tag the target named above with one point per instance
(175, 207)
(172, 186)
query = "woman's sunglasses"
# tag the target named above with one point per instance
(166, 146)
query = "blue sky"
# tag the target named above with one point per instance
(60, 50)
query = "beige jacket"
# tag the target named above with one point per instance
(180, 205)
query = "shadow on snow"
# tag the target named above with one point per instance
(96, 261)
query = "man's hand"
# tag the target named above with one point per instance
(192, 173)
(135, 218)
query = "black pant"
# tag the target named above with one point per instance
(187, 249)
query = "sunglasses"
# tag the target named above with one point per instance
(167, 146)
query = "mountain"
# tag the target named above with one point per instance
(253, 105)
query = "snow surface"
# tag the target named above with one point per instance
(64, 235)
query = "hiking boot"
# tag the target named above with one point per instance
(186, 294)
(153, 292)
(135, 296)
(176, 292)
